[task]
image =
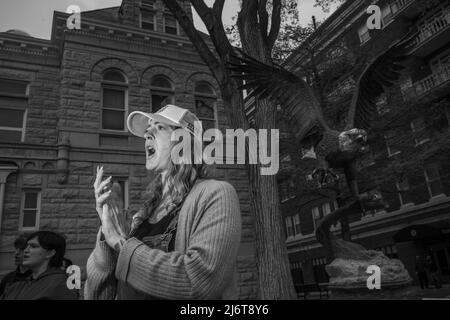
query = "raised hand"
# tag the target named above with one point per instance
(101, 191)
(109, 206)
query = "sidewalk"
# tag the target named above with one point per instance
(425, 294)
(432, 293)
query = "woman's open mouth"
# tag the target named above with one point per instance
(150, 151)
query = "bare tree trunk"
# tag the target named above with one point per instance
(275, 279)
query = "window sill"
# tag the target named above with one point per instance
(287, 199)
(366, 165)
(418, 144)
(393, 154)
(28, 229)
(407, 205)
(114, 132)
(364, 42)
(438, 197)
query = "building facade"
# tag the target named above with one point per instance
(417, 221)
(63, 106)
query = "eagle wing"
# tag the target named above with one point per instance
(293, 94)
(380, 73)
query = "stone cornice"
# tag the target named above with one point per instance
(110, 30)
(28, 45)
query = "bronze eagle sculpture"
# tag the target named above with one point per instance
(332, 148)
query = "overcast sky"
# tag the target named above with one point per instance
(35, 16)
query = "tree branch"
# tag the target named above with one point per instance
(212, 18)
(275, 25)
(263, 19)
(204, 12)
(248, 27)
(196, 39)
(218, 6)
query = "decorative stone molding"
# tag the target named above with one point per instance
(152, 71)
(201, 76)
(100, 66)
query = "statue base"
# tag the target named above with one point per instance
(352, 279)
(406, 292)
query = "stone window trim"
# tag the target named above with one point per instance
(417, 128)
(201, 76)
(21, 129)
(117, 86)
(149, 4)
(289, 226)
(168, 90)
(153, 71)
(433, 180)
(364, 34)
(316, 216)
(402, 188)
(391, 147)
(37, 208)
(286, 190)
(297, 224)
(322, 210)
(22, 106)
(100, 67)
(123, 82)
(142, 21)
(177, 26)
(387, 15)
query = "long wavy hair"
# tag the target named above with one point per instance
(179, 179)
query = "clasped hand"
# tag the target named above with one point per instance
(109, 211)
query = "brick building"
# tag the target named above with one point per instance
(417, 221)
(63, 106)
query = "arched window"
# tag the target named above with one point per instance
(114, 100)
(162, 92)
(206, 104)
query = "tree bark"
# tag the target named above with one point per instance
(275, 279)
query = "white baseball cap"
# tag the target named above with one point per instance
(170, 114)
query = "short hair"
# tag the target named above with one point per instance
(67, 261)
(21, 241)
(50, 240)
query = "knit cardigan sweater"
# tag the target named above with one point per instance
(202, 266)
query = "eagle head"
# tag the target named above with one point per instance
(353, 140)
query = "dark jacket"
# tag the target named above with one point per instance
(50, 285)
(12, 277)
